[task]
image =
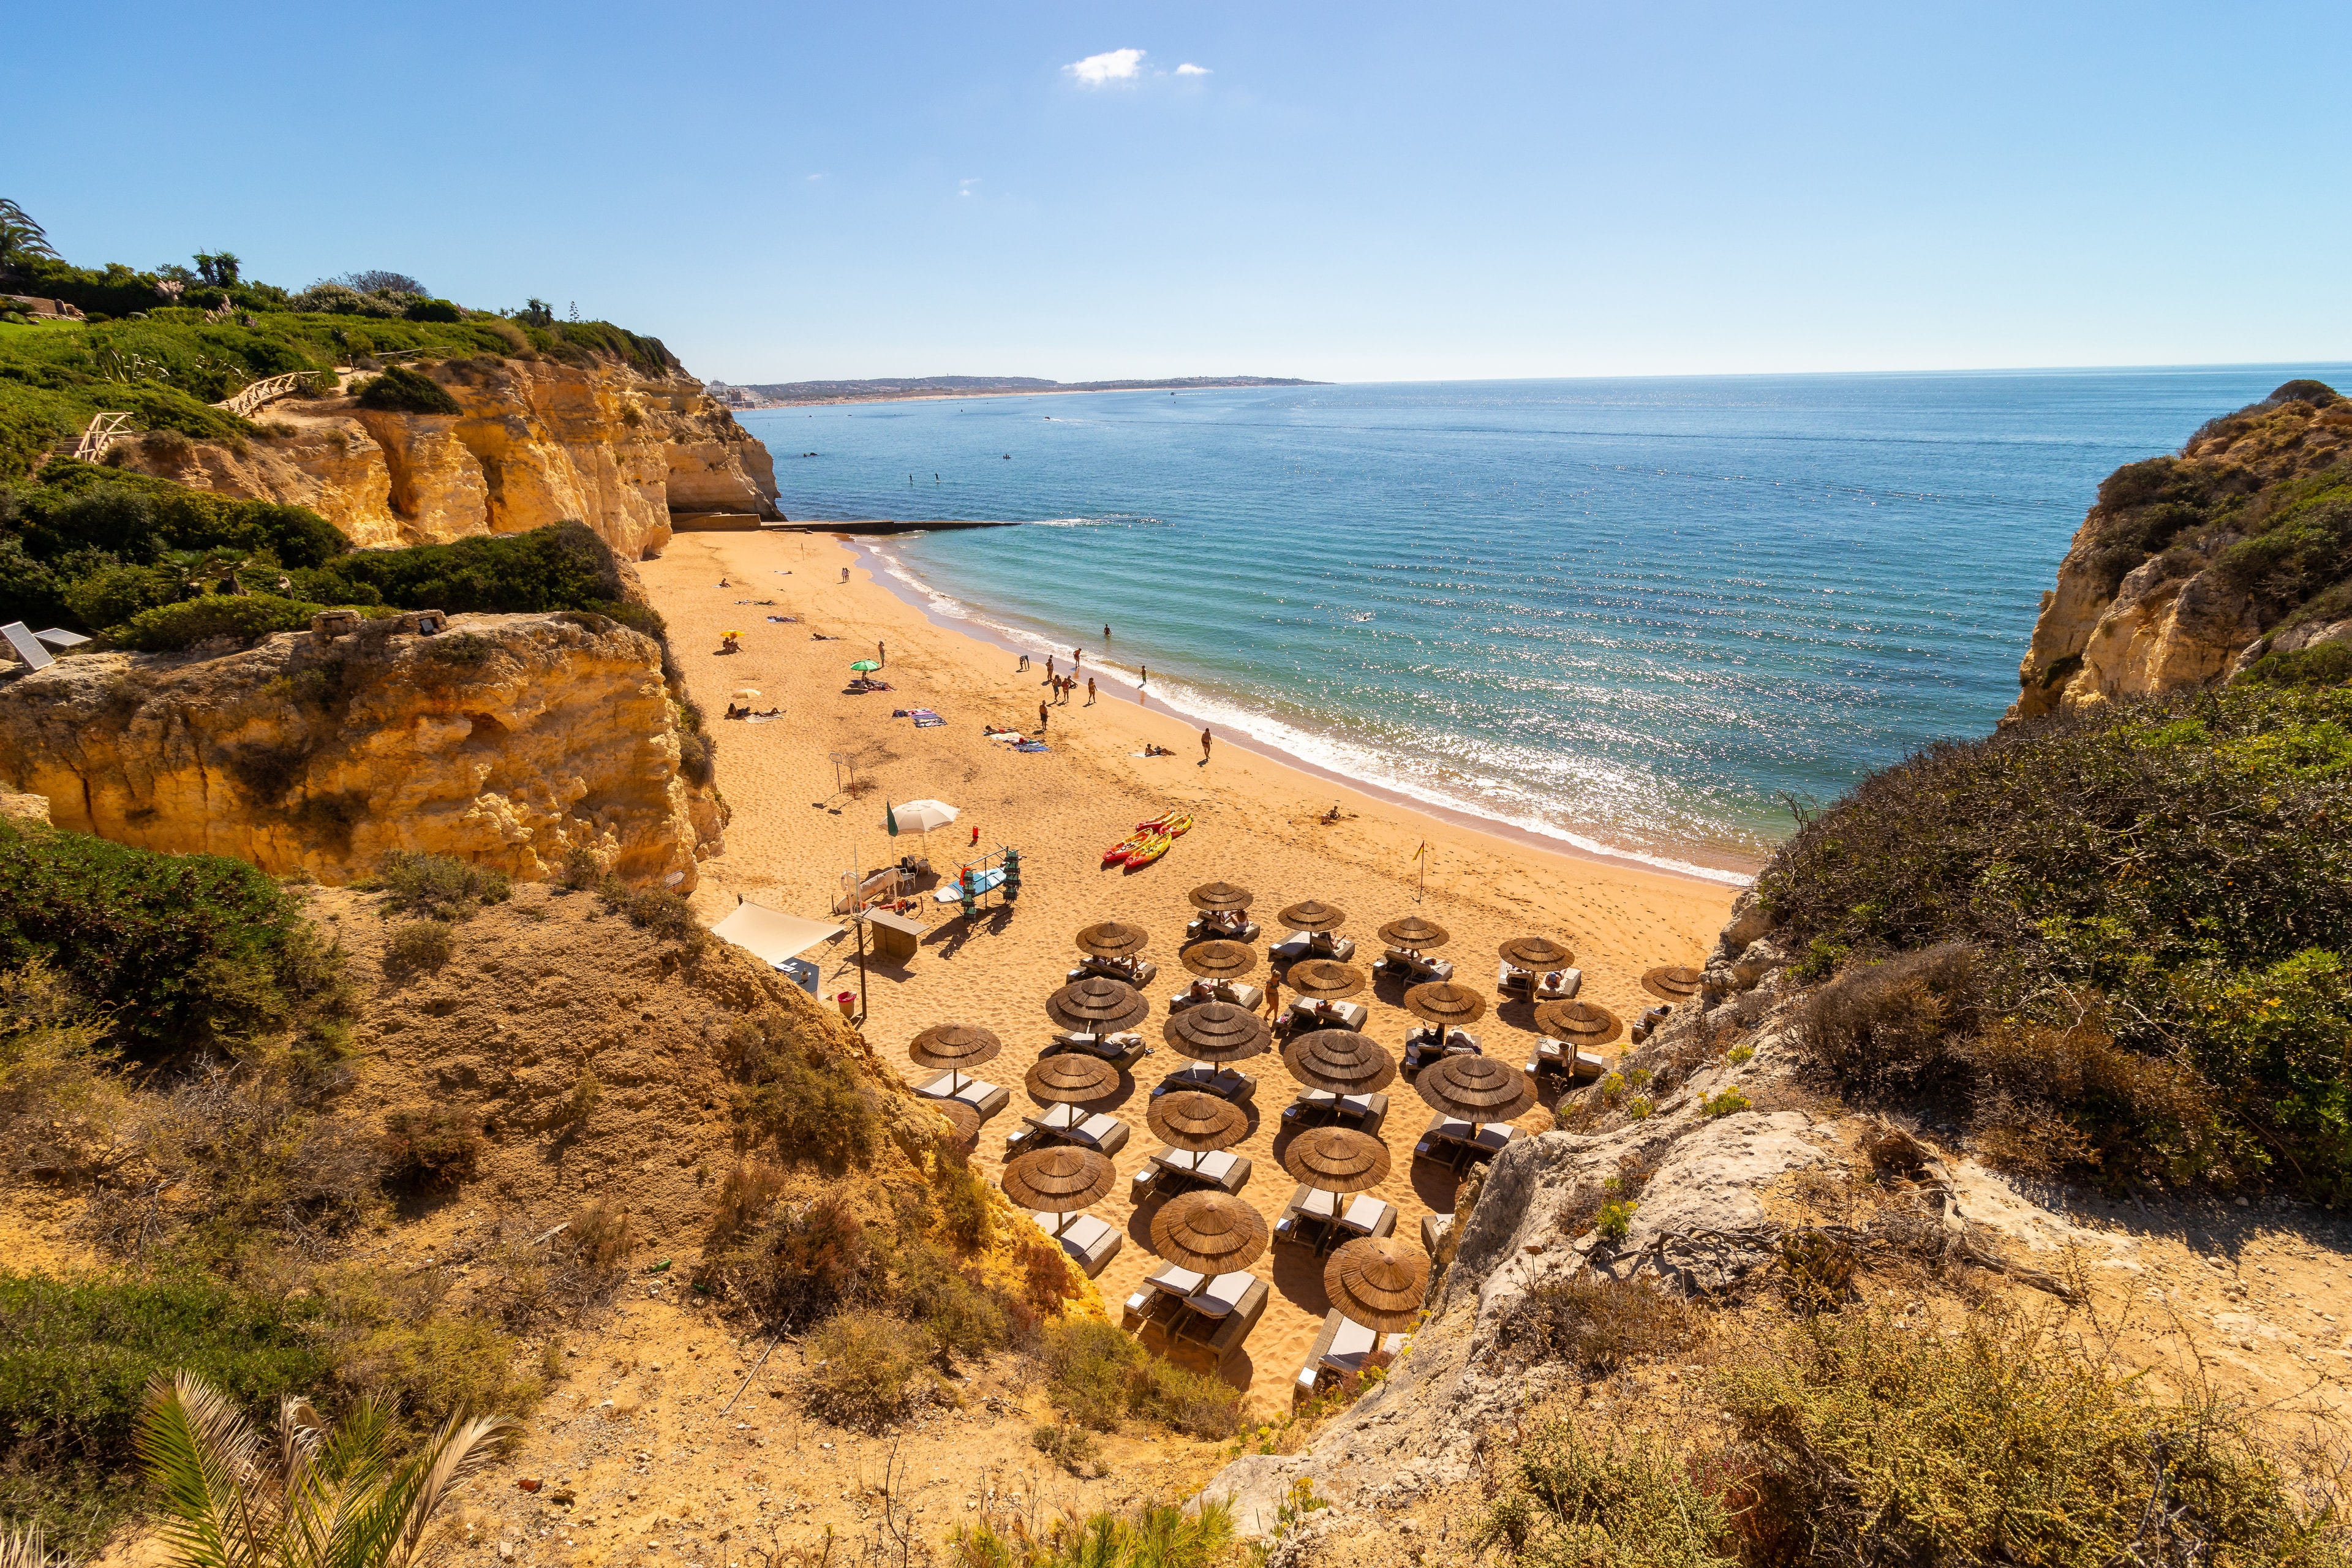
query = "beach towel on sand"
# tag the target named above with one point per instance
(1033, 746)
(927, 720)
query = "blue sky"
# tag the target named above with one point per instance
(1348, 191)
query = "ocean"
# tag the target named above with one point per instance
(1642, 616)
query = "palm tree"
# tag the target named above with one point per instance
(21, 239)
(307, 1496)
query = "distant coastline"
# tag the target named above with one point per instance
(794, 394)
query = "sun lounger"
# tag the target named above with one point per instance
(1136, 972)
(1314, 1107)
(1119, 1050)
(1563, 1060)
(1068, 1124)
(1554, 985)
(1206, 928)
(987, 1099)
(1433, 1228)
(1305, 1015)
(1164, 1289)
(1215, 1322)
(1309, 1218)
(1342, 1348)
(1423, 1046)
(1292, 950)
(1447, 1140)
(1248, 997)
(1413, 968)
(1090, 1242)
(1202, 1078)
(1368, 1216)
(1174, 1170)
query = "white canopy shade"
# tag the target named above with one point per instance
(772, 935)
(921, 816)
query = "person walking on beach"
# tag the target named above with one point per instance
(1273, 997)
(1021, 666)
(1040, 718)
(1077, 657)
(1049, 666)
(1090, 691)
(1146, 678)
(1205, 739)
(881, 654)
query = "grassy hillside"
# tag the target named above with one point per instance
(149, 347)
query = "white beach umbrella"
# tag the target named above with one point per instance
(922, 816)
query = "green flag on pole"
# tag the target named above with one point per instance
(891, 818)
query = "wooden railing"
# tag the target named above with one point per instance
(262, 392)
(105, 430)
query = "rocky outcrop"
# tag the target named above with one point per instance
(2190, 568)
(536, 442)
(507, 741)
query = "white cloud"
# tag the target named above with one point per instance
(963, 187)
(817, 177)
(1114, 65)
(1189, 69)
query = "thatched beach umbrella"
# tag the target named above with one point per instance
(1584, 1022)
(1325, 979)
(1221, 898)
(964, 1125)
(1059, 1181)
(1217, 1031)
(1112, 939)
(1068, 1078)
(1209, 1233)
(1444, 1004)
(1476, 1089)
(1096, 1006)
(1671, 983)
(1540, 954)
(1379, 1282)
(953, 1049)
(1313, 915)
(1415, 933)
(1218, 959)
(1336, 1159)
(1197, 1124)
(1341, 1061)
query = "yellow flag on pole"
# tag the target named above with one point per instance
(1423, 851)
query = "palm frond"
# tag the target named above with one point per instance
(421, 1486)
(204, 1460)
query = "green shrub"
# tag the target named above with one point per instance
(432, 311)
(431, 1149)
(183, 952)
(1630, 1503)
(1161, 1535)
(961, 1315)
(80, 1352)
(400, 390)
(808, 1109)
(245, 617)
(1095, 1374)
(565, 567)
(1727, 1102)
(2325, 664)
(1879, 1443)
(1072, 1448)
(665, 914)
(2147, 865)
(867, 1369)
(417, 945)
(1615, 1220)
(960, 1200)
(439, 887)
(1597, 1324)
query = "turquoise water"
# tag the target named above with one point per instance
(1637, 615)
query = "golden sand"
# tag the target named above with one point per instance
(793, 835)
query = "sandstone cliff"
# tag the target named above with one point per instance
(2189, 568)
(536, 442)
(505, 740)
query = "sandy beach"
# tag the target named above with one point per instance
(795, 832)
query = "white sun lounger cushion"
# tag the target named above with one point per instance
(1365, 1213)
(1174, 1280)
(1221, 1295)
